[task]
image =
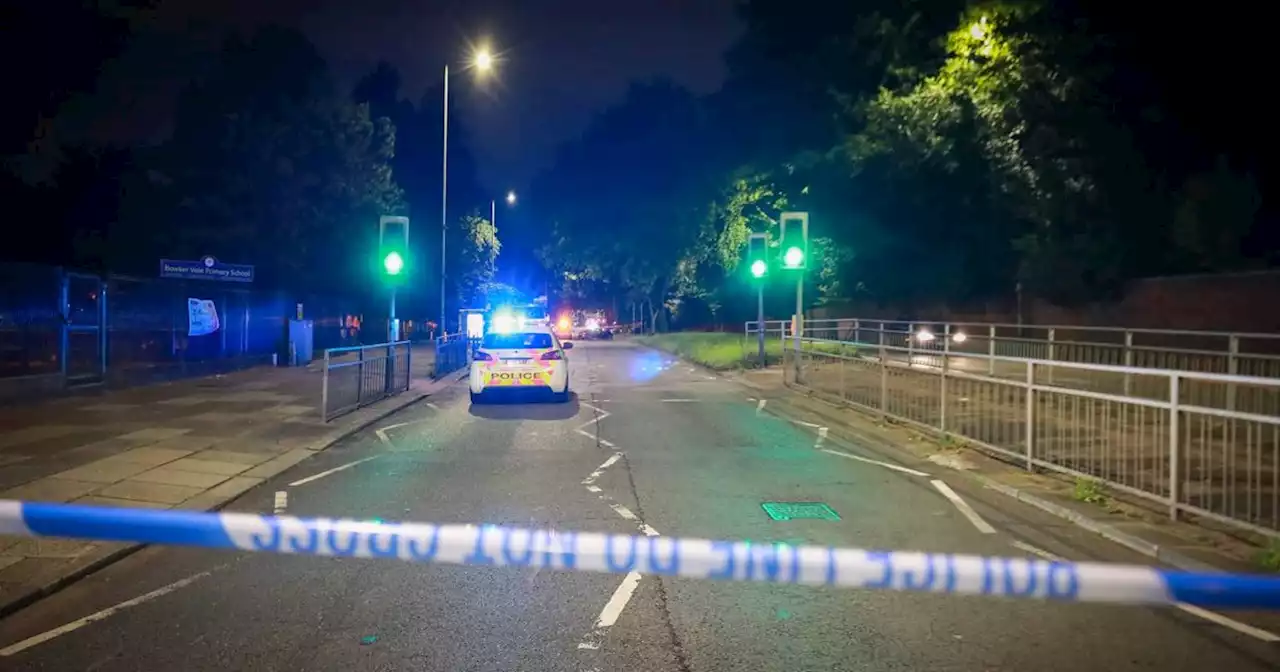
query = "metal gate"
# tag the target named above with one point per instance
(84, 335)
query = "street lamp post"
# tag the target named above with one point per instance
(482, 61)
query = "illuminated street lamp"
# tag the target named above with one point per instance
(511, 198)
(482, 61)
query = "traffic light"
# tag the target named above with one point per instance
(795, 240)
(757, 255)
(393, 245)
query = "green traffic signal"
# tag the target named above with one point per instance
(393, 263)
(759, 268)
(793, 257)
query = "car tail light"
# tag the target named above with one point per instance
(484, 357)
(554, 354)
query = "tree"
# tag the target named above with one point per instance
(477, 239)
(629, 198)
(1217, 211)
(274, 169)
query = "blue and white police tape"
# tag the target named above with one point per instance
(494, 546)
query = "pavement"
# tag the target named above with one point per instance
(648, 444)
(192, 444)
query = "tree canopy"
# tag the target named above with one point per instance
(946, 152)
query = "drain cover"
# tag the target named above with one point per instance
(799, 511)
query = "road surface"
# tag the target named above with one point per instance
(699, 458)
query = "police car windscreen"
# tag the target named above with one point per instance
(517, 341)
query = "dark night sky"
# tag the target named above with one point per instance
(563, 60)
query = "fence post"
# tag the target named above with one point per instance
(841, 360)
(884, 378)
(991, 350)
(360, 377)
(1128, 361)
(1233, 368)
(911, 343)
(1030, 417)
(1052, 349)
(1175, 478)
(942, 380)
(408, 366)
(324, 389)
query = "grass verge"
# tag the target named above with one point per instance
(725, 351)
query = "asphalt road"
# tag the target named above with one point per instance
(699, 458)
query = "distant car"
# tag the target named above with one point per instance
(530, 359)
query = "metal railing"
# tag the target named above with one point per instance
(1244, 354)
(1170, 439)
(452, 354)
(361, 375)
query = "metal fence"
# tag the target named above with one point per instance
(452, 353)
(1245, 354)
(360, 375)
(60, 328)
(1164, 435)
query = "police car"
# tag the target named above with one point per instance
(528, 358)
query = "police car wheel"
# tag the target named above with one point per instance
(562, 396)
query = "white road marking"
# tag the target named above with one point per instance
(966, 510)
(1225, 622)
(1211, 616)
(382, 431)
(1024, 546)
(332, 471)
(822, 437)
(612, 610)
(281, 502)
(679, 401)
(591, 478)
(623, 511)
(104, 614)
(603, 413)
(760, 406)
(432, 405)
(648, 531)
(886, 465)
(606, 443)
(806, 424)
(593, 488)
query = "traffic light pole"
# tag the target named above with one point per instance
(799, 325)
(760, 322)
(393, 335)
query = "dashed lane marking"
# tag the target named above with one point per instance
(281, 502)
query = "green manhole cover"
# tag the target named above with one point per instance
(799, 511)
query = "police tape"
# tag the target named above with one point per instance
(778, 563)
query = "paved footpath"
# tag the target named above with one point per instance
(192, 444)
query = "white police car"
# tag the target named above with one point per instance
(524, 359)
